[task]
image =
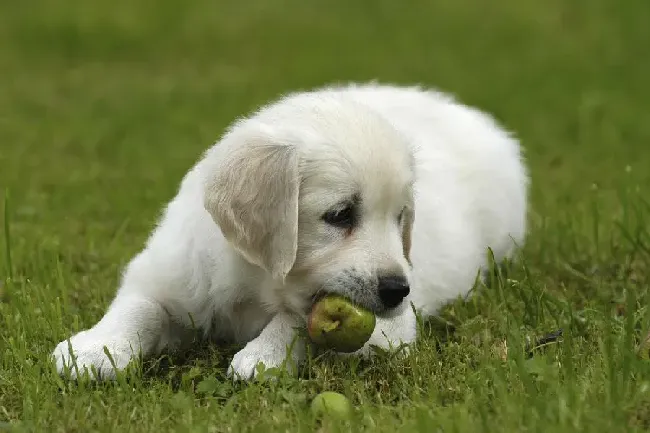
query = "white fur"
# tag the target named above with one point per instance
(242, 249)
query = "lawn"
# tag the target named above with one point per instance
(105, 105)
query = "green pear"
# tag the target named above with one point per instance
(331, 404)
(336, 323)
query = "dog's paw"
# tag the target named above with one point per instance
(244, 364)
(88, 352)
(386, 343)
(392, 333)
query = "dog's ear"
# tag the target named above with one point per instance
(407, 227)
(252, 195)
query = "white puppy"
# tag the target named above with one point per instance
(383, 194)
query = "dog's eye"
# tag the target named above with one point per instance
(343, 218)
(400, 217)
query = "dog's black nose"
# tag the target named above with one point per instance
(392, 289)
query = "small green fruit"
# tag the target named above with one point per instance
(331, 404)
(338, 324)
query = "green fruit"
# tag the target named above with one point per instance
(338, 324)
(331, 404)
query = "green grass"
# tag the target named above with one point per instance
(105, 105)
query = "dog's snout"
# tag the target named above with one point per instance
(392, 290)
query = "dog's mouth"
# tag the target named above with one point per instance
(318, 296)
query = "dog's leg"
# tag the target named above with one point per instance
(133, 325)
(391, 332)
(270, 348)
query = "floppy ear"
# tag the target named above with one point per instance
(407, 227)
(252, 195)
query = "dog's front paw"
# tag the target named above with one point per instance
(392, 333)
(88, 352)
(244, 364)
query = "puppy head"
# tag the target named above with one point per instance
(321, 197)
